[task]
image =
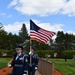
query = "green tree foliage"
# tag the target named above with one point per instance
(8, 40)
(13, 40)
(65, 41)
(3, 36)
(40, 46)
(23, 33)
(69, 54)
(42, 53)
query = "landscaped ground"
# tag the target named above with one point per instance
(7, 71)
(66, 68)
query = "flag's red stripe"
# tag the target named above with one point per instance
(45, 34)
(40, 34)
(35, 35)
(48, 34)
(37, 40)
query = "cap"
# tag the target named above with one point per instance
(19, 47)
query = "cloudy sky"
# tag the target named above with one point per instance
(52, 15)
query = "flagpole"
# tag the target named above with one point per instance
(30, 54)
(30, 50)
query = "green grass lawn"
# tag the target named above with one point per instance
(66, 68)
(4, 62)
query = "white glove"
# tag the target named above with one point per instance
(35, 68)
(9, 65)
(24, 74)
(30, 53)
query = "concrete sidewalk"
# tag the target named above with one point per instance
(37, 73)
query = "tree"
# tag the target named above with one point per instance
(23, 33)
(65, 41)
(60, 41)
(1, 26)
(39, 46)
(3, 38)
(13, 41)
(69, 41)
(9, 41)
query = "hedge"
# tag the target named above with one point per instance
(8, 52)
(41, 53)
(69, 54)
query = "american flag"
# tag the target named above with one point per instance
(39, 34)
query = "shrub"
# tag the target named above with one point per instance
(69, 54)
(8, 52)
(41, 53)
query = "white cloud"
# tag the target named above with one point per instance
(69, 8)
(38, 7)
(49, 26)
(44, 7)
(13, 3)
(71, 32)
(15, 27)
(6, 15)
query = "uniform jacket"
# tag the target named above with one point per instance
(34, 59)
(19, 66)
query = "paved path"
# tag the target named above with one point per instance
(7, 70)
(37, 73)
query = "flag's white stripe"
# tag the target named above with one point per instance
(48, 34)
(41, 35)
(36, 34)
(41, 32)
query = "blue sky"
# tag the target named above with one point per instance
(52, 15)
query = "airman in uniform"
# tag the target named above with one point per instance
(19, 62)
(32, 62)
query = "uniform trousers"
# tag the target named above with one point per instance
(31, 69)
